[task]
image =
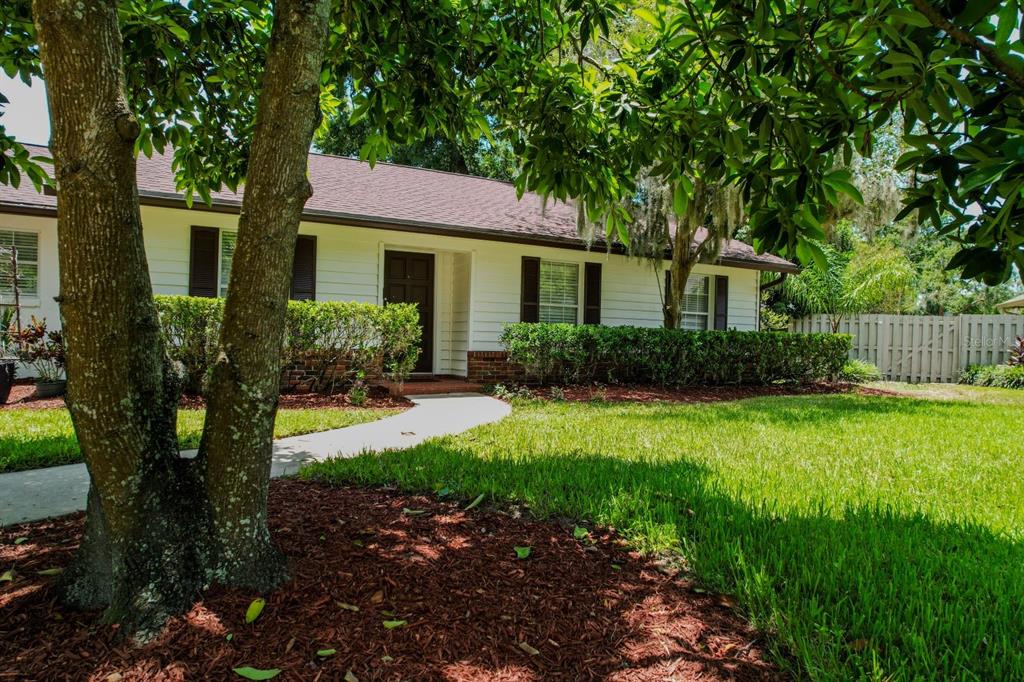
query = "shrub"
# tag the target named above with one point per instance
(42, 349)
(859, 372)
(565, 353)
(361, 338)
(1017, 352)
(999, 376)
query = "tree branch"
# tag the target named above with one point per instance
(965, 38)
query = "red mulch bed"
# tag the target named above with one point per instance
(473, 611)
(22, 396)
(693, 394)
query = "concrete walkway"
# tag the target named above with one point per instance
(41, 493)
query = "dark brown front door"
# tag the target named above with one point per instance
(409, 278)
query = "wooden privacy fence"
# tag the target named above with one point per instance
(924, 348)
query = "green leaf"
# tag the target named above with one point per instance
(476, 502)
(326, 652)
(580, 532)
(50, 571)
(648, 16)
(7, 576)
(347, 607)
(255, 609)
(680, 199)
(256, 673)
(523, 552)
(392, 624)
(21, 541)
(413, 512)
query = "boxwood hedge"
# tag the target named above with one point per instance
(566, 353)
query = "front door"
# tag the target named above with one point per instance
(409, 278)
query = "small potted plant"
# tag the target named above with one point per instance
(8, 359)
(44, 350)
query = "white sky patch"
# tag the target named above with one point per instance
(26, 117)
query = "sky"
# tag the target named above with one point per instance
(26, 117)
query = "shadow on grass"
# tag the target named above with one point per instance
(860, 591)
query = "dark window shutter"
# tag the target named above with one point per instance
(721, 302)
(304, 269)
(202, 267)
(530, 306)
(592, 293)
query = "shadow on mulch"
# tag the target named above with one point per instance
(693, 394)
(473, 611)
(23, 397)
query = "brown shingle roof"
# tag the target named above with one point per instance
(348, 190)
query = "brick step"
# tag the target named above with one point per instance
(436, 386)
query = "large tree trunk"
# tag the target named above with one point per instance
(138, 554)
(237, 438)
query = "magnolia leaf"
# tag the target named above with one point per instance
(476, 502)
(326, 652)
(392, 624)
(523, 552)
(256, 673)
(50, 571)
(255, 609)
(528, 649)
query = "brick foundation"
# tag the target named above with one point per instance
(493, 367)
(301, 376)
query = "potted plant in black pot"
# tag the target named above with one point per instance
(44, 350)
(8, 357)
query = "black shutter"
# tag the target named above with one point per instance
(304, 269)
(721, 302)
(592, 293)
(204, 252)
(530, 295)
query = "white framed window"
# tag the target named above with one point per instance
(695, 306)
(227, 255)
(559, 292)
(27, 244)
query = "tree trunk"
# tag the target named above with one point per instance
(242, 399)
(138, 555)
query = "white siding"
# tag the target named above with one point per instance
(477, 281)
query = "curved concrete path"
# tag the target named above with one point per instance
(41, 493)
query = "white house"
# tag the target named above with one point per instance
(464, 248)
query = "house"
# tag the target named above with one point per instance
(464, 248)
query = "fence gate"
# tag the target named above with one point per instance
(924, 348)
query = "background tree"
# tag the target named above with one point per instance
(488, 156)
(866, 279)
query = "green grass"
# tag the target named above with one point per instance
(30, 439)
(873, 537)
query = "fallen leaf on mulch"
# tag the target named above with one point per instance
(255, 609)
(596, 611)
(256, 673)
(528, 649)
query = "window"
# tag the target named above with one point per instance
(694, 308)
(559, 291)
(227, 254)
(27, 244)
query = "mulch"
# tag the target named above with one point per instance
(471, 610)
(23, 397)
(693, 394)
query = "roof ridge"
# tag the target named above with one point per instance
(411, 167)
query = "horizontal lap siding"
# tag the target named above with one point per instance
(349, 268)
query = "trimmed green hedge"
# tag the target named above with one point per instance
(566, 353)
(1000, 376)
(361, 336)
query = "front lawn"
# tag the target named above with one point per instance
(34, 438)
(872, 536)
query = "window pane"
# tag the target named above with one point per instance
(693, 322)
(227, 254)
(559, 292)
(27, 244)
(695, 299)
